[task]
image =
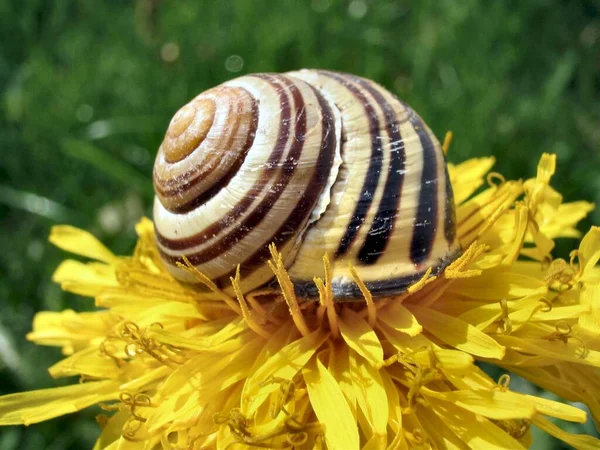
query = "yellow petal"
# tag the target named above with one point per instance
(274, 345)
(468, 176)
(70, 330)
(488, 261)
(398, 443)
(519, 311)
(331, 409)
(546, 167)
(284, 364)
(124, 302)
(589, 251)
(84, 279)
(453, 360)
(194, 371)
(339, 366)
(145, 228)
(529, 268)
(175, 408)
(543, 247)
(557, 409)
(111, 431)
(141, 280)
(563, 223)
(572, 351)
(494, 404)
(520, 228)
(36, 406)
(458, 334)
(478, 214)
(87, 362)
(198, 415)
(474, 380)
(128, 444)
(562, 313)
(584, 380)
(375, 442)
(140, 377)
(114, 445)
(370, 393)
(579, 441)
(438, 431)
(360, 336)
(482, 316)
(399, 318)
(576, 387)
(80, 242)
(402, 342)
(128, 297)
(495, 285)
(476, 431)
(394, 408)
(590, 297)
(229, 329)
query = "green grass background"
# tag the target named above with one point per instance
(87, 88)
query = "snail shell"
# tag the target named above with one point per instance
(315, 162)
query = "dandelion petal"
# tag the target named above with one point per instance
(341, 431)
(81, 243)
(284, 364)
(579, 441)
(360, 337)
(459, 334)
(493, 404)
(36, 406)
(396, 316)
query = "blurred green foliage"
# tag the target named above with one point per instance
(88, 87)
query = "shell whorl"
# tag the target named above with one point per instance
(206, 140)
(314, 162)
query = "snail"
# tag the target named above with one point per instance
(315, 162)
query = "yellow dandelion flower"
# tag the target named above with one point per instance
(175, 368)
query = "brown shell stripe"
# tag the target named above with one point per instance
(383, 224)
(363, 204)
(427, 207)
(301, 212)
(450, 218)
(242, 206)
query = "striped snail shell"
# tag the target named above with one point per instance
(315, 162)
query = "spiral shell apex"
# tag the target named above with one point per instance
(316, 162)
